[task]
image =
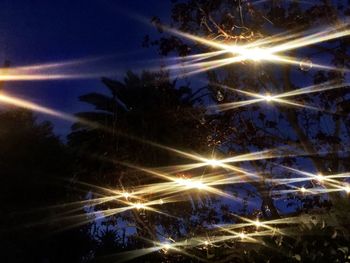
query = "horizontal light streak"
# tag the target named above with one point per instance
(330, 179)
(14, 101)
(70, 69)
(48, 76)
(268, 49)
(279, 98)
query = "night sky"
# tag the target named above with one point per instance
(41, 31)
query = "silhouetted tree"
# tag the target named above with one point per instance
(322, 135)
(34, 168)
(141, 112)
(140, 109)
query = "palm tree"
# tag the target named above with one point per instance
(148, 107)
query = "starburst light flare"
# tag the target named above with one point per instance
(263, 50)
(280, 98)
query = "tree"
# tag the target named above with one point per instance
(146, 115)
(313, 132)
(149, 108)
(321, 134)
(141, 109)
(34, 168)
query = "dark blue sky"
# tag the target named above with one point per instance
(41, 31)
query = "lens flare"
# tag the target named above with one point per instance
(268, 98)
(213, 162)
(188, 183)
(126, 195)
(282, 98)
(319, 177)
(347, 189)
(257, 223)
(11, 100)
(242, 235)
(139, 206)
(269, 49)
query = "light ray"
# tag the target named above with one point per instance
(10, 100)
(319, 37)
(326, 179)
(47, 76)
(182, 184)
(267, 50)
(241, 235)
(86, 217)
(280, 98)
(224, 163)
(58, 65)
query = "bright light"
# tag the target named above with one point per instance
(255, 54)
(268, 97)
(139, 206)
(190, 183)
(264, 50)
(302, 189)
(6, 99)
(206, 243)
(257, 223)
(126, 195)
(166, 246)
(319, 177)
(281, 98)
(347, 189)
(242, 235)
(213, 162)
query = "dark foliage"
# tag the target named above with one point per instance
(34, 166)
